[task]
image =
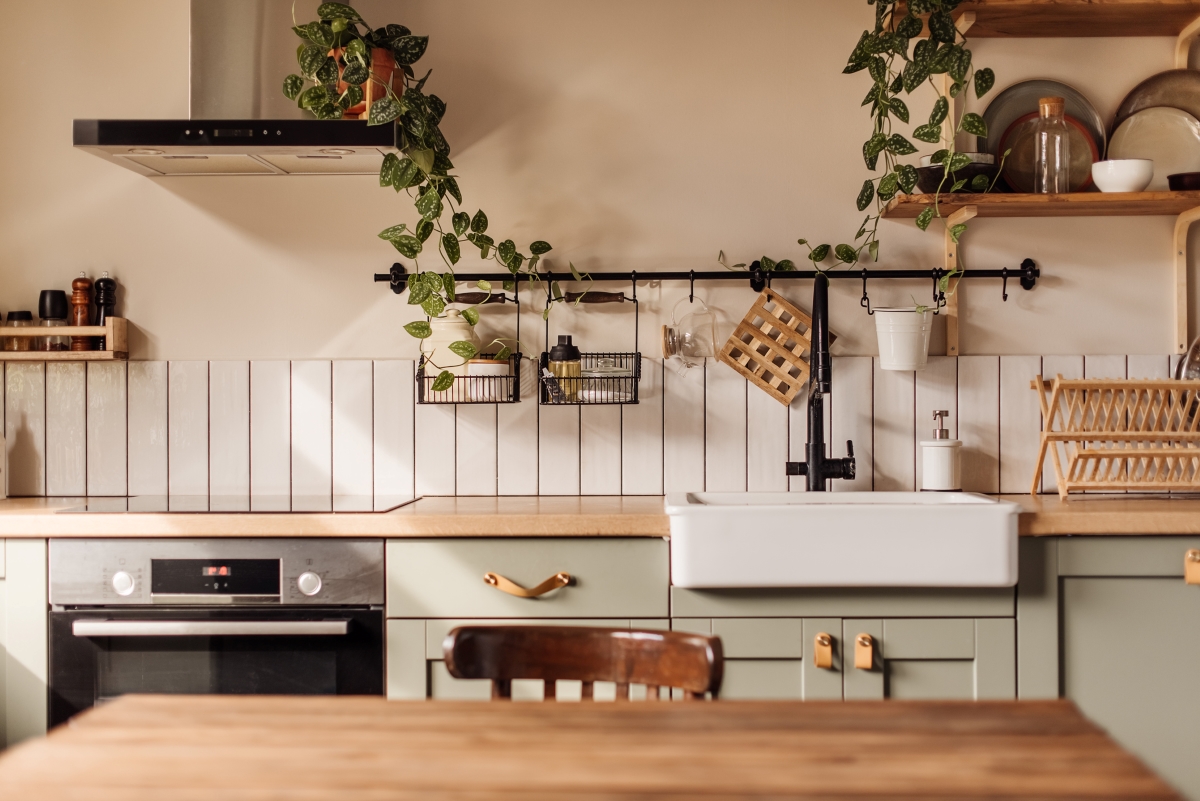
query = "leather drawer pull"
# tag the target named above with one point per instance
(864, 652)
(1191, 566)
(512, 588)
(823, 651)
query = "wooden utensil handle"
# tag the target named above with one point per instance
(595, 297)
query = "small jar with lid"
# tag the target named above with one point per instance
(52, 313)
(19, 319)
(566, 363)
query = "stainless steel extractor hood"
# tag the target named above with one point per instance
(240, 123)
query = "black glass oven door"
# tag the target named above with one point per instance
(96, 655)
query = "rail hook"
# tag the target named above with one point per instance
(939, 297)
(1004, 284)
(691, 286)
(866, 301)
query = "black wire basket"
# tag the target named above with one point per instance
(472, 388)
(605, 379)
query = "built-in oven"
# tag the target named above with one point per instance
(227, 616)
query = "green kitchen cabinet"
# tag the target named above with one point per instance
(24, 643)
(1110, 623)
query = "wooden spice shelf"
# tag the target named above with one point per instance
(1003, 19)
(1076, 204)
(114, 332)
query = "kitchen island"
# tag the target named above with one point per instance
(183, 748)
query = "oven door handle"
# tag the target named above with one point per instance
(208, 628)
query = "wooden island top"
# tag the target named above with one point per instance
(188, 748)
(545, 516)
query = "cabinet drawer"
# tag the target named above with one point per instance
(442, 578)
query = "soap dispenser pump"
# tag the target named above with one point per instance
(941, 459)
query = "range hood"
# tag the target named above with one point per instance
(240, 123)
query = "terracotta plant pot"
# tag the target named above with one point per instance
(383, 69)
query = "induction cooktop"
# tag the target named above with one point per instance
(238, 504)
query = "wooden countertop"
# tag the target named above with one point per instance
(189, 748)
(571, 516)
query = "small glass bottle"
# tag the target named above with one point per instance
(567, 365)
(52, 311)
(1052, 148)
(19, 319)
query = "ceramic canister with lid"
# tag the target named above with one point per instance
(435, 348)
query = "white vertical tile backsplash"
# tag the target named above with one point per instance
(850, 412)
(107, 439)
(600, 450)
(66, 428)
(979, 422)
(392, 430)
(475, 438)
(936, 389)
(271, 434)
(187, 428)
(229, 431)
(642, 435)
(353, 428)
(724, 429)
(147, 443)
(296, 434)
(558, 450)
(766, 442)
(25, 427)
(1020, 422)
(895, 430)
(683, 428)
(517, 438)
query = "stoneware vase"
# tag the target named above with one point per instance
(450, 328)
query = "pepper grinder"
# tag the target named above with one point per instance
(106, 303)
(941, 459)
(81, 301)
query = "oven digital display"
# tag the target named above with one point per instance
(212, 577)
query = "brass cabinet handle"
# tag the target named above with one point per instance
(864, 652)
(512, 588)
(823, 650)
(1191, 566)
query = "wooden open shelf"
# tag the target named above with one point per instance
(114, 332)
(1047, 18)
(1076, 204)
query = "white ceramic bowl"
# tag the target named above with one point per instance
(1123, 175)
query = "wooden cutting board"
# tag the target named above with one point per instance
(770, 347)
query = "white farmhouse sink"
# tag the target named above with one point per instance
(841, 539)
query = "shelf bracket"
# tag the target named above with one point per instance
(1182, 223)
(1183, 43)
(963, 22)
(951, 250)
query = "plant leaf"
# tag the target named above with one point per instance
(311, 58)
(925, 218)
(819, 254)
(972, 123)
(484, 286)
(957, 230)
(873, 249)
(941, 108)
(334, 10)
(941, 26)
(900, 146)
(506, 250)
(504, 354)
(393, 233)
(328, 72)
(899, 108)
(958, 185)
(927, 133)
(418, 291)
(462, 221)
(383, 111)
(907, 175)
(407, 174)
(451, 246)
(389, 170)
(873, 147)
(408, 246)
(328, 111)
(313, 97)
(979, 183)
(768, 264)
(911, 26)
(539, 247)
(846, 254)
(958, 161)
(464, 349)
(434, 305)
(939, 156)
(419, 329)
(887, 187)
(355, 72)
(785, 266)
(443, 382)
(914, 74)
(451, 185)
(429, 206)
(424, 229)
(292, 85)
(866, 194)
(409, 49)
(479, 223)
(985, 79)
(471, 316)
(448, 286)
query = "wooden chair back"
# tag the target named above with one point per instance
(692, 662)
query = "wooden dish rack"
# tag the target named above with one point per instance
(1119, 434)
(114, 331)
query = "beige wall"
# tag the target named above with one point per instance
(632, 134)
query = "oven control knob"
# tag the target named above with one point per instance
(309, 583)
(122, 583)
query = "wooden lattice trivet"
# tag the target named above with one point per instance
(770, 347)
(1116, 434)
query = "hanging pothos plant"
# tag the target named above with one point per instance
(335, 56)
(899, 65)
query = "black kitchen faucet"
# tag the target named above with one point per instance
(818, 467)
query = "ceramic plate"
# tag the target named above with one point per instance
(1018, 167)
(1167, 136)
(1174, 88)
(1022, 98)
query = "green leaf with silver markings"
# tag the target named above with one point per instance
(424, 229)
(539, 247)
(393, 233)
(355, 73)
(927, 133)
(464, 349)
(335, 10)
(471, 316)
(419, 329)
(311, 59)
(957, 230)
(383, 111)
(972, 123)
(900, 146)
(418, 291)
(819, 254)
(846, 254)
(409, 49)
(429, 206)
(941, 108)
(292, 86)
(899, 108)
(985, 79)
(888, 186)
(925, 218)
(451, 246)
(443, 382)
(434, 305)
(408, 246)
(866, 194)
(448, 286)
(907, 176)
(479, 223)
(484, 286)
